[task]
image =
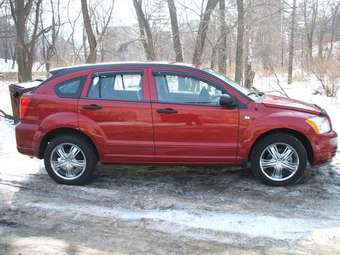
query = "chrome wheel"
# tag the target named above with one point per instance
(279, 161)
(68, 161)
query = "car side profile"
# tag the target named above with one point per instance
(172, 114)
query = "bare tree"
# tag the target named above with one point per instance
(202, 32)
(291, 43)
(222, 50)
(239, 43)
(335, 11)
(101, 17)
(145, 31)
(175, 31)
(310, 12)
(75, 54)
(92, 57)
(49, 41)
(25, 46)
(249, 73)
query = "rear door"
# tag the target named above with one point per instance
(116, 107)
(190, 125)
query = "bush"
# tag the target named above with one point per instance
(327, 71)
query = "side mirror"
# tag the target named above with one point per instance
(227, 101)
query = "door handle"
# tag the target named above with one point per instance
(92, 107)
(167, 110)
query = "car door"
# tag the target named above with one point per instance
(115, 110)
(190, 125)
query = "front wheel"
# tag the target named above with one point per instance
(70, 160)
(279, 159)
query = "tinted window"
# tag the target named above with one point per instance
(70, 88)
(187, 90)
(127, 87)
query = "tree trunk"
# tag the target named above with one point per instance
(25, 47)
(333, 28)
(175, 31)
(310, 28)
(92, 57)
(322, 33)
(239, 43)
(24, 60)
(202, 32)
(249, 76)
(291, 44)
(222, 50)
(145, 31)
(84, 44)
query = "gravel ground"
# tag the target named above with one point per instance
(164, 210)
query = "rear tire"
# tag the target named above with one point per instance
(279, 159)
(70, 160)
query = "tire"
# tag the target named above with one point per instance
(280, 169)
(63, 167)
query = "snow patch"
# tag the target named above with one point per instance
(247, 224)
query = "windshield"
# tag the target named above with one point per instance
(252, 93)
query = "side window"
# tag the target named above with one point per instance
(70, 88)
(186, 90)
(126, 87)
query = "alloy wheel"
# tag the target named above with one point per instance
(279, 161)
(68, 161)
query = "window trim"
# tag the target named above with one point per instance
(114, 73)
(76, 95)
(190, 75)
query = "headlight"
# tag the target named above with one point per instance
(320, 124)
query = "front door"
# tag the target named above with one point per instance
(115, 106)
(189, 124)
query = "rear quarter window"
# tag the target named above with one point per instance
(70, 88)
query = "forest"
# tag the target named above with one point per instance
(294, 38)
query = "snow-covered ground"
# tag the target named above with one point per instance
(7, 67)
(161, 210)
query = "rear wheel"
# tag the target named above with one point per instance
(70, 160)
(279, 159)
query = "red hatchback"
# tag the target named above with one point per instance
(156, 113)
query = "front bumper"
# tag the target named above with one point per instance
(324, 147)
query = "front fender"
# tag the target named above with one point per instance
(254, 124)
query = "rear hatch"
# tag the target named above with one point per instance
(17, 91)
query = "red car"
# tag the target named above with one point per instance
(173, 114)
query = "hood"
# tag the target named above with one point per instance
(290, 104)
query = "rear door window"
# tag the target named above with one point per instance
(115, 86)
(70, 88)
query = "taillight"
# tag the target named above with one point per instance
(24, 102)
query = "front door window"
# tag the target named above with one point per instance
(186, 90)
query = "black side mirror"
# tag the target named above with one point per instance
(227, 101)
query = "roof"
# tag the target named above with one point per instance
(75, 68)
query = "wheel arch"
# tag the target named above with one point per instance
(64, 131)
(300, 136)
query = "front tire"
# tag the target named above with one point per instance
(70, 160)
(279, 159)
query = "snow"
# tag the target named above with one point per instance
(7, 67)
(248, 224)
(304, 91)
